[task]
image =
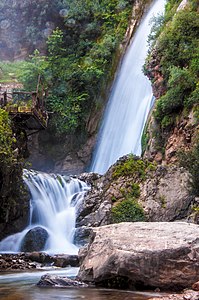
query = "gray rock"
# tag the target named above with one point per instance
(130, 255)
(82, 235)
(58, 281)
(34, 240)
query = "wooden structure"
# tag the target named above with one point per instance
(26, 108)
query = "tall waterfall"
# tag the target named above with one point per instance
(54, 199)
(129, 103)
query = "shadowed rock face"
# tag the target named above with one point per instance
(142, 255)
(34, 240)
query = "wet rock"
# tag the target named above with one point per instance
(58, 260)
(40, 257)
(141, 255)
(186, 295)
(58, 281)
(82, 235)
(16, 262)
(64, 260)
(34, 240)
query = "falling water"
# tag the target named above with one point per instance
(129, 103)
(54, 200)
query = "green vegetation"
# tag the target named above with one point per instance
(134, 170)
(128, 210)
(189, 160)
(79, 61)
(133, 166)
(177, 53)
(6, 139)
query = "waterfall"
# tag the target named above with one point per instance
(129, 103)
(53, 204)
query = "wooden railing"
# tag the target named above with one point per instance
(18, 103)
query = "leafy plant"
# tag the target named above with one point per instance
(133, 166)
(127, 211)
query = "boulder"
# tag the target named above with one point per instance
(34, 240)
(48, 280)
(65, 260)
(82, 235)
(161, 255)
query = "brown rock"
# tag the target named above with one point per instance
(160, 254)
(195, 286)
(187, 295)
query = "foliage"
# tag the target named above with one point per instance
(32, 70)
(6, 138)
(177, 55)
(189, 160)
(128, 211)
(10, 71)
(133, 166)
(180, 84)
(80, 58)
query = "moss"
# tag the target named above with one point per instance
(145, 138)
(128, 210)
(133, 166)
(163, 201)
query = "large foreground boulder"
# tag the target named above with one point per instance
(161, 255)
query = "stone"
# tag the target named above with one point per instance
(64, 260)
(82, 235)
(165, 194)
(34, 240)
(195, 286)
(59, 281)
(58, 260)
(162, 255)
(186, 295)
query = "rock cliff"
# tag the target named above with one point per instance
(25, 26)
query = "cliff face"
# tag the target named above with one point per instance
(173, 127)
(25, 26)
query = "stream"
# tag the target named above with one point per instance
(22, 286)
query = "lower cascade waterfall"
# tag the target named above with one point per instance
(129, 103)
(53, 205)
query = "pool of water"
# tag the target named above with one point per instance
(22, 286)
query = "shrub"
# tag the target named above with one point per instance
(133, 166)
(190, 161)
(128, 211)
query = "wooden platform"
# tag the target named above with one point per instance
(27, 108)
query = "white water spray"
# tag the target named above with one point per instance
(54, 200)
(129, 103)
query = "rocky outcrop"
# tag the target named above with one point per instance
(34, 240)
(142, 255)
(14, 199)
(58, 281)
(181, 138)
(25, 26)
(164, 194)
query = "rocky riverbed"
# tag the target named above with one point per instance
(36, 260)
